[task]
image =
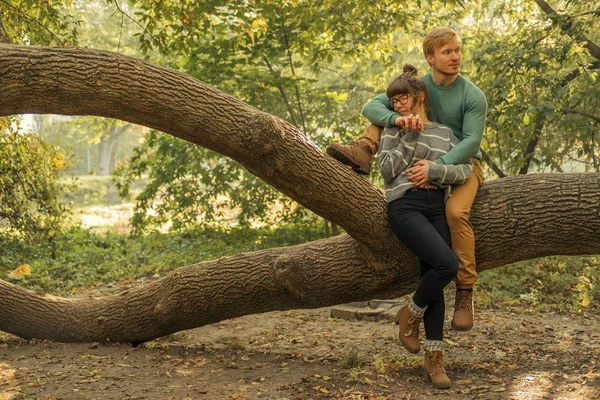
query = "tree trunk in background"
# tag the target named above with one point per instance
(4, 38)
(107, 148)
(515, 218)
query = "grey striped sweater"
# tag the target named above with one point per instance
(400, 149)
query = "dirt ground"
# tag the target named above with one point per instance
(303, 354)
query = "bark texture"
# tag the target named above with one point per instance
(514, 218)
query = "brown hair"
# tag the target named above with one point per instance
(408, 83)
(438, 37)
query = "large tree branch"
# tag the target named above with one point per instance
(512, 221)
(75, 81)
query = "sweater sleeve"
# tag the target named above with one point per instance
(448, 174)
(472, 131)
(444, 175)
(378, 112)
(396, 150)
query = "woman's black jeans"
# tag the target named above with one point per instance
(419, 221)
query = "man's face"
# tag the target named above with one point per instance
(446, 58)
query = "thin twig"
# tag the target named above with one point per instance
(145, 30)
(22, 12)
(282, 92)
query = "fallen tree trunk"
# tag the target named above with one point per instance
(515, 218)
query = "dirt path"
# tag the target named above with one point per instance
(303, 354)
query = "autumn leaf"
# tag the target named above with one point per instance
(21, 272)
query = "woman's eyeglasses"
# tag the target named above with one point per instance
(403, 99)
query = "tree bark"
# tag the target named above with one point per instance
(514, 218)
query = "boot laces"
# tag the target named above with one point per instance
(351, 145)
(464, 300)
(413, 322)
(437, 361)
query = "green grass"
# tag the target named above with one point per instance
(80, 257)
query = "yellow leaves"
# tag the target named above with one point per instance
(59, 160)
(258, 27)
(321, 389)
(21, 272)
(526, 119)
(259, 24)
(7, 374)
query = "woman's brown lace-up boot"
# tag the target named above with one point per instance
(409, 330)
(434, 365)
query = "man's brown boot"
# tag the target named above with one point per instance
(409, 330)
(434, 365)
(463, 310)
(358, 155)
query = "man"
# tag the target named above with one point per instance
(460, 105)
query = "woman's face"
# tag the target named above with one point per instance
(403, 104)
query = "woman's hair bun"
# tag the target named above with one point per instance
(409, 69)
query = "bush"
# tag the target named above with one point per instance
(565, 284)
(79, 257)
(30, 169)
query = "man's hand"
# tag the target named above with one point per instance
(419, 172)
(410, 123)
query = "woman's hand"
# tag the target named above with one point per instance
(410, 123)
(419, 173)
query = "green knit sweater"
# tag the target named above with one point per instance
(400, 149)
(461, 106)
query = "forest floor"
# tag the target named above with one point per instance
(512, 353)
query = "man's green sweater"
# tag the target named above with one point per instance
(461, 106)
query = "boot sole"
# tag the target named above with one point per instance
(344, 159)
(461, 328)
(428, 377)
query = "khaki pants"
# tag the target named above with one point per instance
(458, 213)
(371, 137)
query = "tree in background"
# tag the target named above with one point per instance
(539, 71)
(95, 145)
(30, 167)
(29, 183)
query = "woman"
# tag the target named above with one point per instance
(417, 214)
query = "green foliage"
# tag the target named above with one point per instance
(30, 169)
(79, 257)
(555, 283)
(541, 87)
(313, 64)
(40, 22)
(189, 185)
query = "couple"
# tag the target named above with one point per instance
(419, 160)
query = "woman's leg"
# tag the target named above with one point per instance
(434, 315)
(418, 220)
